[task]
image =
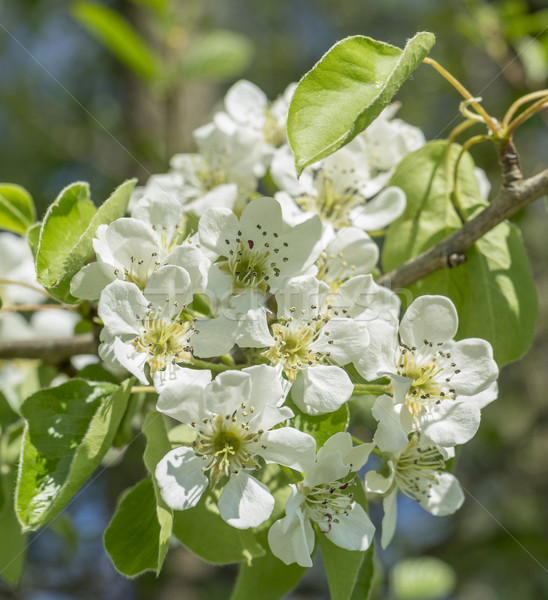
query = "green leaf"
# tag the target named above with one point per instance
(158, 446)
(13, 546)
(66, 236)
(132, 538)
(17, 210)
(68, 430)
(495, 285)
(320, 427)
(217, 56)
(113, 208)
(202, 530)
(65, 221)
(267, 578)
(349, 573)
(267, 573)
(33, 237)
(118, 36)
(347, 90)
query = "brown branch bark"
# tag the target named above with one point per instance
(50, 351)
(514, 196)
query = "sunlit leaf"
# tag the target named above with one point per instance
(346, 90)
(17, 210)
(69, 429)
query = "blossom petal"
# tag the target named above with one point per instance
(292, 539)
(451, 422)
(179, 475)
(289, 447)
(430, 318)
(90, 281)
(390, 506)
(381, 211)
(354, 456)
(215, 337)
(354, 531)
(121, 307)
(245, 502)
(131, 359)
(217, 225)
(343, 340)
(390, 435)
(321, 389)
(227, 392)
(169, 289)
(182, 394)
(445, 496)
(478, 369)
(380, 355)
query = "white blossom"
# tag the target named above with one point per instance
(416, 468)
(442, 383)
(132, 249)
(339, 189)
(312, 340)
(388, 140)
(148, 328)
(323, 497)
(233, 417)
(249, 106)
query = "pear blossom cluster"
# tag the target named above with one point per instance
(251, 309)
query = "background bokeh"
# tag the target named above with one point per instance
(74, 107)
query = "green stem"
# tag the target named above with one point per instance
(454, 196)
(144, 389)
(526, 114)
(520, 102)
(489, 121)
(369, 388)
(216, 367)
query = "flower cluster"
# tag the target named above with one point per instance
(277, 296)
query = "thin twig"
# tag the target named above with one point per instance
(50, 351)
(512, 198)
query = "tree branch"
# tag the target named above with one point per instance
(50, 351)
(516, 194)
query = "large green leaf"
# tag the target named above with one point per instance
(202, 530)
(66, 235)
(495, 285)
(119, 36)
(347, 90)
(217, 56)
(64, 222)
(266, 576)
(69, 429)
(158, 446)
(349, 573)
(132, 536)
(113, 208)
(137, 538)
(13, 546)
(17, 210)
